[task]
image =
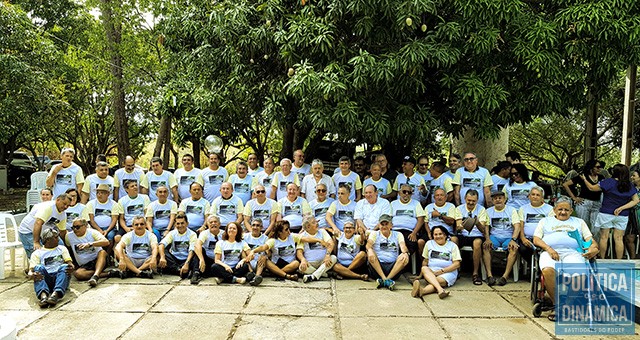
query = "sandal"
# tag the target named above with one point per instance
(292, 277)
(552, 317)
(476, 280)
(491, 280)
(443, 294)
(364, 277)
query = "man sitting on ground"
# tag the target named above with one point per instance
(315, 258)
(181, 243)
(137, 250)
(86, 245)
(50, 267)
(387, 253)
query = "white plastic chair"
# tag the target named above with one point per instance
(33, 198)
(516, 265)
(39, 180)
(5, 243)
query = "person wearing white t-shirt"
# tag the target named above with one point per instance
(347, 177)
(387, 253)
(266, 176)
(159, 177)
(381, 183)
(161, 214)
(213, 176)
(187, 175)
(369, 210)
(261, 207)
(281, 179)
(137, 251)
(299, 167)
(254, 167)
(500, 178)
(315, 257)
(440, 180)
(241, 182)
(351, 259)
(408, 219)
(87, 247)
(293, 208)
(472, 176)
(103, 215)
(196, 208)
(311, 181)
(228, 207)
(50, 267)
(504, 231)
(410, 177)
(204, 250)
(132, 205)
(320, 205)
(129, 172)
(65, 175)
(94, 180)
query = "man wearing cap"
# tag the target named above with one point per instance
(141, 247)
(101, 177)
(103, 214)
(504, 230)
(410, 177)
(50, 268)
(86, 245)
(128, 173)
(347, 177)
(387, 253)
(472, 176)
(369, 210)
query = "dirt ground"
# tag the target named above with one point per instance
(14, 201)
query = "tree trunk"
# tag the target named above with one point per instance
(112, 28)
(162, 136)
(288, 132)
(195, 145)
(167, 144)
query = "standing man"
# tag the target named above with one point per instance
(348, 178)
(241, 182)
(299, 166)
(65, 175)
(187, 175)
(311, 181)
(455, 160)
(161, 214)
(387, 172)
(254, 167)
(159, 177)
(213, 176)
(132, 205)
(40, 214)
(265, 177)
(408, 176)
(227, 207)
(369, 210)
(93, 181)
(472, 176)
(283, 178)
(129, 173)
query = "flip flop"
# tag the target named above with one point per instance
(364, 277)
(443, 294)
(551, 317)
(476, 280)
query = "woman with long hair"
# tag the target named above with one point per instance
(619, 196)
(519, 186)
(587, 202)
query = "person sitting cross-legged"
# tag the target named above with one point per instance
(205, 250)
(387, 253)
(177, 248)
(440, 266)
(232, 257)
(137, 250)
(315, 257)
(351, 259)
(50, 268)
(86, 245)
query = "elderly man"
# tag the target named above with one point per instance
(161, 214)
(410, 177)
(408, 219)
(472, 176)
(254, 167)
(442, 213)
(86, 245)
(387, 253)
(552, 236)
(477, 233)
(340, 211)
(181, 243)
(299, 167)
(159, 177)
(134, 204)
(384, 187)
(228, 207)
(195, 207)
(103, 214)
(347, 177)
(261, 207)
(282, 178)
(254, 239)
(265, 177)
(504, 231)
(137, 250)
(387, 172)
(129, 173)
(440, 180)
(187, 175)
(315, 258)
(310, 182)
(369, 210)
(93, 181)
(65, 175)
(51, 213)
(241, 182)
(207, 240)
(320, 205)
(213, 176)
(50, 268)
(351, 258)
(293, 208)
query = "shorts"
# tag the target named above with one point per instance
(500, 242)
(467, 241)
(138, 262)
(111, 234)
(281, 263)
(608, 221)
(412, 246)
(450, 277)
(91, 265)
(634, 221)
(386, 269)
(566, 256)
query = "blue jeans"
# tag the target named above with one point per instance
(27, 243)
(52, 282)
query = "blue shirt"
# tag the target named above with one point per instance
(613, 198)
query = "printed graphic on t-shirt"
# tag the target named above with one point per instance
(261, 214)
(72, 215)
(500, 187)
(135, 209)
(162, 214)
(292, 210)
(216, 179)
(344, 215)
(226, 209)
(85, 250)
(194, 209)
(534, 218)
(434, 254)
(141, 248)
(285, 250)
(63, 179)
(212, 244)
(472, 183)
(266, 181)
(520, 194)
(241, 187)
(408, 213)
(56, 259)
(187, 180)
(313, 246)
(231, 254)
(102, 212)
(346, 247)
(181, 246)
(53, 221)
(283, 185)
(155, 184)
(388, 246)
(321, 211)
(501, 223)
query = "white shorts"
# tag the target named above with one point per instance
(566, 256)
(450, 277)
(608, 221)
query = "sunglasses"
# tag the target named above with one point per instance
(136, 224)
(407, 192)
(76, 227)
(260, 191)
(598, 167)
(349, 227)
(256, 225)
(470, 159)
(321, 190)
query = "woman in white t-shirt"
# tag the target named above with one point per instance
(231, 262)
(440, 265)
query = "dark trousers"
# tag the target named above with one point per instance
(208, 263)
(219, 271)
(173, 264)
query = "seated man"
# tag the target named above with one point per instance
(552, 237)
(254, 239)
(504, 230)
(160, 214)
(181, 242)
(228, 207)
(132, 205)
(369, 210)
(387, 253)
(408, 219)
(86, 245)
(293, 207)
(141, 247)
(103, 214)
(473, 235)
(315, 257)
(350, 258)
(202, 262)
(50, 267)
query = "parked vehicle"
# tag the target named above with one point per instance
(20, 176)
(20, 158)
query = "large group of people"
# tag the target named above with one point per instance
(363, 222)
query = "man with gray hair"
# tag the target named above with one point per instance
(86, 245)
(311, 181)
(137, 251)
(299, 167)
(315, 257)
(65, 175)
(90, 187)
(50, 268)
(369, 210)
(283, 178)
(472, 176)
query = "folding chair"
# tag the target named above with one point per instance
(5, 243)
(516, 265)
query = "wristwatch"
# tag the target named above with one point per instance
(514, 240)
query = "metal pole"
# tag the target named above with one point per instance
(629, 110)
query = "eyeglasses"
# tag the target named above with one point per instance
(423, 164)
(349, 227)
(76, 227)
(470, 159)
(256, 225)
(321, 190)
(260, 191)
(136, 224)
(407, 192)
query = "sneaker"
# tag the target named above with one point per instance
(250, 276)
(501, 281)
(93, 281)
(195, 278)
(381, 283)
(491, 281)
(241, 280)
(114, 273)
(308, 278)
(256, 280)
(390, 284)
(53, 299)
(147, 274)
(43, 300)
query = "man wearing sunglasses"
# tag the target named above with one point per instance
(86, 245)
(408, 176)
(472, 176)
(137, 250)
(261, 207)
(320, 205)
(408, 219)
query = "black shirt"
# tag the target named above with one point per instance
(584, 191)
